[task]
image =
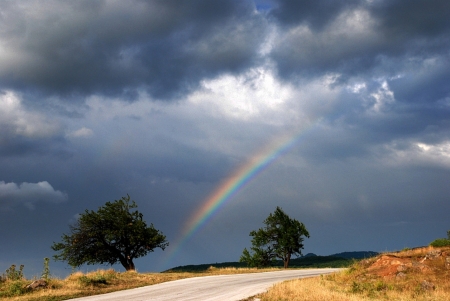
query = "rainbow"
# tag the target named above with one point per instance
(232, 185)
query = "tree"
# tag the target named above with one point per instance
(114, 233)
(281, 238)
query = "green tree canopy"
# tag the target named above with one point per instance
(114, 233)
(281, 238)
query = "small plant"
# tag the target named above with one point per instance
(13, 274)
(14, 288)
(46, 272)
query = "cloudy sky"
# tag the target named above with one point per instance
(165, 100)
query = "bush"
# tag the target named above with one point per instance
(13, 288)
(13, 274)
(440, 242)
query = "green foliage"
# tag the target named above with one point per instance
(320, 262)
(281, 238)
(260, 258)
(96, 279)
(204, 267)
(12, 274)
(114, 233)
(46, 272)
(440, 242)
(13, 288)
(92, 281)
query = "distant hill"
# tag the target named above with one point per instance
(310, 260)
(349, 255)
(356, 255)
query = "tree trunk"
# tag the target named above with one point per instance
(286, 261)
(127, 263)
(130, 266)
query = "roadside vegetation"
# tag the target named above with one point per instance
(80, 284)
(421, 274)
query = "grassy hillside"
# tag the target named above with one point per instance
(420, 274)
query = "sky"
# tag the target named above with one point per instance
(210, 114)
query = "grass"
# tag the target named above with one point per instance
(360, 283)
(99, 282)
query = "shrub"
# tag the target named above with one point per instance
(13, 274)
(13, 288)
(440, 242)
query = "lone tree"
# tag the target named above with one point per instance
(281, 238)
(114, 233)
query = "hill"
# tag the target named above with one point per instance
(310, 260)
(412, 274)
(356, 255)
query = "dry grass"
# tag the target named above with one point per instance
(363, 282)
(99, 282)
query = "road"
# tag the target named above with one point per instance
(209, 288)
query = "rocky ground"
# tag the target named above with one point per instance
(429, 267)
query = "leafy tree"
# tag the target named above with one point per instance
(281, 238)
(114, 233)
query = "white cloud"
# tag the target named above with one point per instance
(28, 194)
(248, 96)
(81, 133)
(419, 153)
(20, 122)
(383, 97)
(258, 96)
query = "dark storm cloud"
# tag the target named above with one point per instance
(115, 48)
(13, 146)
(24, 132)
(424, 84)
(428, 19)
(360, 38)
(314, 13)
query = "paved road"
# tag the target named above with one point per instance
(209, 288)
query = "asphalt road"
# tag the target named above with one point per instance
(209, 288)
